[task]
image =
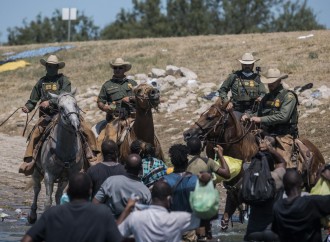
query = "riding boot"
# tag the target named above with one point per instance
(27, 167)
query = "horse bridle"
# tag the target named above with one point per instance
(207, 130)
(67, 115)
(224, 118)
(146, 97)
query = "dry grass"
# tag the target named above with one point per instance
(211, 57)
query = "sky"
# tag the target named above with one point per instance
(103, 12)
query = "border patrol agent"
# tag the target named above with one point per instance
(278, 114)
(52, 82)
(117, 99)
(245, 86)
(117, 93)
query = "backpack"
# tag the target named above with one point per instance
(258, 185)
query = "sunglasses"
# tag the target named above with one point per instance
(118, 68)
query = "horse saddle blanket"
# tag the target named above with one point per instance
(117, 130)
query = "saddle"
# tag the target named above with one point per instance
(116, 130)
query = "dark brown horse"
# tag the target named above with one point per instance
(217, 126)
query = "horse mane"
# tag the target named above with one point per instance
(247, 147)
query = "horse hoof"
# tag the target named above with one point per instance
(32, 218)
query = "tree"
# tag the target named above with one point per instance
(54, 29)
(201, 17)
(294, 17)
(146, 20)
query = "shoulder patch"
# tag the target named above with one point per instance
(290, 96)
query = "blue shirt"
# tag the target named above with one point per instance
(182, 191)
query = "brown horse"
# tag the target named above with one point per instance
(146, 99)
(126, 131)
(217, 126)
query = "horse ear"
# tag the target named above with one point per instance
(74, 91)
(53, 95)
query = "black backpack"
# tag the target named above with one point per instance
(258, 185)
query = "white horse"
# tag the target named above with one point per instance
(61, 154)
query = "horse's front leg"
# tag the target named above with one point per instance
(36, 177)
(59, 192)
(49, 184)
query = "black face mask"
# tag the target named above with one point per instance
(52, 70)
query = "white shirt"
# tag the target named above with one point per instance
(156, 224)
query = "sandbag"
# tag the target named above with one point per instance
(204, 200)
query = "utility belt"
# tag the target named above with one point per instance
(283, 130)
(242, 106)
(121, 113)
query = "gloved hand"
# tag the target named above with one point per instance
(25, 109)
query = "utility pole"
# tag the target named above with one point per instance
(69, 14)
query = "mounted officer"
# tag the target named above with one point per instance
(245, 86)
(116, 98)
(278, 115)
(52, 82)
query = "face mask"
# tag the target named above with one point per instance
(52, 70)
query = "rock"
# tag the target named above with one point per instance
(188, 73)
(181, 81)
(155, 73)
(173, 70)
(180, 104)
(170, 79)
(141, 77)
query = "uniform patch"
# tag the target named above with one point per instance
(112, 89)
(290, 96)
(251, 83)
(54, 87)
(277, 103)
(130, 86)
(48, 87)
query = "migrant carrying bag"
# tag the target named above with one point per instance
(204, 200)
(322, 187)
(235, 166)
(258, 185)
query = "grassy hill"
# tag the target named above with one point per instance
(212, 58)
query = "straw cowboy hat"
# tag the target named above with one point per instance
(248, 59)
(52, 59)
(121, 62)
(272, 75)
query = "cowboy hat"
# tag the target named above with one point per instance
(52, 59)
(247, 59)
(121, 62)
(272, 75)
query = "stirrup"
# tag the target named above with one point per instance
(224, 224)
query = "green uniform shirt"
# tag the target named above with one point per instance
(245, 90)
(115, 89)
(278, 109)
(45, 85)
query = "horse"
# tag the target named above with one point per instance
(218, 126)
(61, 155)
(142, 128)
